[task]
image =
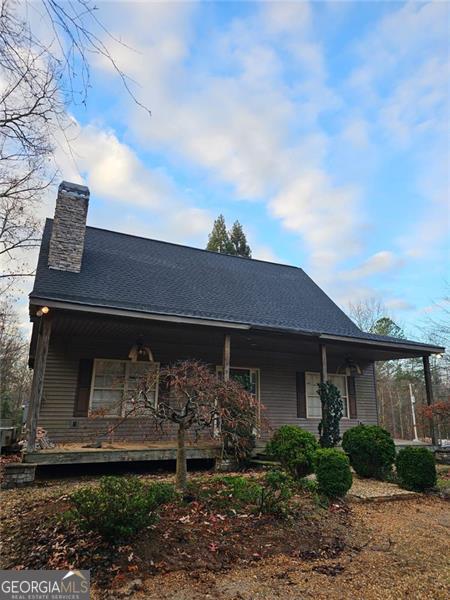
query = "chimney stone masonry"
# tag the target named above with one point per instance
(69, 228)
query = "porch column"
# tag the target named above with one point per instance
(37, 385)
(226, 357)
(323, 364)
(429, 391)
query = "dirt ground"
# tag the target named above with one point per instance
(407, 556)
(391, 550)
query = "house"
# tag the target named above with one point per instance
(101, 298)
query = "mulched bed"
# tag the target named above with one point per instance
(192, 537)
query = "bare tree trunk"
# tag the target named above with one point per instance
(181, 474)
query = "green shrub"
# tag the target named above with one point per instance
(294, 448)
(270, 495)
(334, 477)
(371, 450)
(119, 507)
(277, 490)
(242, 489)
(416, 469)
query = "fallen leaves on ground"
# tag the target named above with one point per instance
(193, 536)
(393, 550)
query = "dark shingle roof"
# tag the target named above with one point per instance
(133, 273)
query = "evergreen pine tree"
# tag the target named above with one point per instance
(219, 240)
(238, 240)
(386, 326)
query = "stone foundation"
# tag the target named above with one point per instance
(18, 475)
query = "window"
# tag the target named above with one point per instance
(313, 404)
(113, 381)
(248, 378)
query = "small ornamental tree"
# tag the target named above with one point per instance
(193, 398)
(238, 419)
(332, 411)
(439, 414)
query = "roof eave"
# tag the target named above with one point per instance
(187, 319)
(122, 312)
(416, 347)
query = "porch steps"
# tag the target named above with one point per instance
(264, 460)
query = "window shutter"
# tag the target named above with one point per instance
(352, 397)
(81, 407)
(301, 395)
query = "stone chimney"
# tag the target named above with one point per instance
(69, 228)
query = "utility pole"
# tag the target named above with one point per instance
(413, 412)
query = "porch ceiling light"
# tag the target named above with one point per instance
(350, 367)
(140, 352)
(44, 310)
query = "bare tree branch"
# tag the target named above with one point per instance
(39, 79)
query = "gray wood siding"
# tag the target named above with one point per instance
(277, 383)
(279, 396)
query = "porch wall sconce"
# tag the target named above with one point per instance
(140, 352)
(44, 310)
(350, 367)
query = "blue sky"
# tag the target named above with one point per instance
(322, 127)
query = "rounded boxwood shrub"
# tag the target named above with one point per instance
(416, 468)
(332, 467)
(371, 450)
(294, 448)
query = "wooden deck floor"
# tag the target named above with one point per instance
(120, 452)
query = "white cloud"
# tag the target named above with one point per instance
(356, 131)
(237, 122)
(264, 252)
(247, 113)
(380, 262)
(282, 17)
(113, 171)
(326, 217)
(419, 103)
(399, 304)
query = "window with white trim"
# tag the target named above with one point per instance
(313, 404)
(113, 382)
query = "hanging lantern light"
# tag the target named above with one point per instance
(140, 352)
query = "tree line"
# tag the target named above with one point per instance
(397, 381)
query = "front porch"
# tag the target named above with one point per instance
(76, 454)
(281, 368)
